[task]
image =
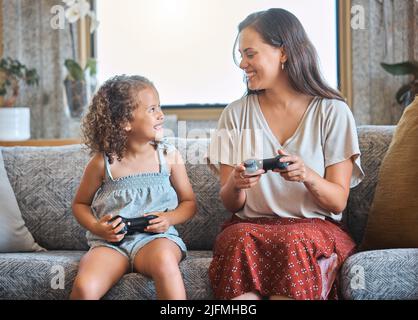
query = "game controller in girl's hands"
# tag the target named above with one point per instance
(253, 165)
(134, 225)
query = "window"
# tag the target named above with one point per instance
(185, 46)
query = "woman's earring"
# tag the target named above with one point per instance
(283, 66)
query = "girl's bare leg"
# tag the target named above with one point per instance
(159, 260)
(99, 270)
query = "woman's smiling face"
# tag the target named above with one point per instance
(260, 61)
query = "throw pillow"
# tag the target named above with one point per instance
(14, 236)
(393, 219)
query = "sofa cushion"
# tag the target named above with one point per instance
(374, 142)
(14, 236)
(194, 270)
(37, 276)
(393, 219)
(45, 180)
(33, 276)
(200, 232)
(381, 275)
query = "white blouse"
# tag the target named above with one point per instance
(326, 135)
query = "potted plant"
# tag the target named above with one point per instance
(14, 121)
(80, 81)
(407, 92)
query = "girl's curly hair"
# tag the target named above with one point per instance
(109, 112)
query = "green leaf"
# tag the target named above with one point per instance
(12, 72)
(92, 66)
(31, 77)
(74, 70)
(403, 68)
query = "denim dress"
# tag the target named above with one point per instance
(133, 196)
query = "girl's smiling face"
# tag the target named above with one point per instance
(148, 118)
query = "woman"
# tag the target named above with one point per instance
(284, 239)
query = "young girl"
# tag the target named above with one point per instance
(132, 173)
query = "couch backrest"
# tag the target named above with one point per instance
(45, 180)
(374, 142)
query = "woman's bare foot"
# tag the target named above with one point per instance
(248, 296)
(279, 298)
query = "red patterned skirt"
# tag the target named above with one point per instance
(296, 258)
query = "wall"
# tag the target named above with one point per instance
(29, 37)
(391, 36)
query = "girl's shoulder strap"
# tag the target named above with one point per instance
(108, 174)
(163, 148)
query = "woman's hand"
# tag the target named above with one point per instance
(109, 230)
(241, 181)
(296, 171)
(160, 224)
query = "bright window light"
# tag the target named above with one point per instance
(185, 46)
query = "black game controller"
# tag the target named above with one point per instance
(253, 165)
(134, 225)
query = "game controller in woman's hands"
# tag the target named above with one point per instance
(134, 225)
(253, 165)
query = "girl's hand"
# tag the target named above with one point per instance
(241, 181)
(296, 171)
(160, 224)
(109, 230)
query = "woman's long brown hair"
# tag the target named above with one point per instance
(280, 28)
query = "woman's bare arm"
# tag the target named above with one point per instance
(331, 192)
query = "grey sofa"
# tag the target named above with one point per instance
(45, 178)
